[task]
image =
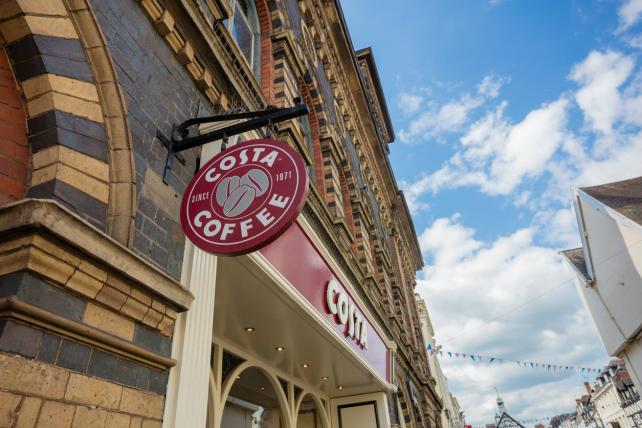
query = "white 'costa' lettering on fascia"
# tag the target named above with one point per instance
(333, 287)
(346, 311)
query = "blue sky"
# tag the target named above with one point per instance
(499, 107)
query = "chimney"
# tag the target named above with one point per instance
(588, 388)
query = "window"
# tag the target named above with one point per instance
(307, 137)
(246, 31)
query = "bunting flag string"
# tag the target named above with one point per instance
(542, 420)
(526, 364)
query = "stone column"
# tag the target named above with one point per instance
(188, 388)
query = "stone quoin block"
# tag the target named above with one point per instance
(56, 414)
(86, 390)
(31, 377)
(142, 403)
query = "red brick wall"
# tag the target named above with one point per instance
(14, 147)
(267, 62)
(317, 156)
(347, 205)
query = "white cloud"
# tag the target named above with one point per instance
(497, 155)
(629, 13)
(622, 162)
(601, 74)
(502, 158)
(635, 41)
(491, 84)
(409, 103)
(476, 292)
(436, 121)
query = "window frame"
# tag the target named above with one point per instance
(251, 19)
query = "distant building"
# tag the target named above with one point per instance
(564, 420)
(608, 265)
(587, 415)
(616, 398)
(451, 414)
(569, 421)
(502, 418)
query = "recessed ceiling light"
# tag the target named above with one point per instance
(249, 329)
(280, 348)
(262, 388)
(324, 378)
(305, 365)
(339, 387)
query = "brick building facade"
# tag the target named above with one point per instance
(108, 317)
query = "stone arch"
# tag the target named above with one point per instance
(228, 382)
(319, 404)
(122, 178)
(77, 132)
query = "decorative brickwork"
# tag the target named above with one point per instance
(39, 394)
(85, 325)
(267, 61)
(52, 70)
(14, 146)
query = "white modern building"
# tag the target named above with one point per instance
(607, 395)
(451, 414)
(608, 266)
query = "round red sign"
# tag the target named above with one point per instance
(244, 197)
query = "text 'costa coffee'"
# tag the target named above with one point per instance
(244, 197)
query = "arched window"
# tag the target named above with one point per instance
(246, 31)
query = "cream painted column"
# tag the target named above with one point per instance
(188, 386)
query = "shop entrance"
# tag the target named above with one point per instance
(252, 402)
(278, 363)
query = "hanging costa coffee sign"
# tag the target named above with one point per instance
(244, 197)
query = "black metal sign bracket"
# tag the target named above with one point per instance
(181, 140)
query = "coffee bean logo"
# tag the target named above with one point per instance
(256, 179)
(236, 194)
(238, 201)
(225, 188)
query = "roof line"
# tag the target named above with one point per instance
(580, 273)
(381, 97)
(601, 206)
